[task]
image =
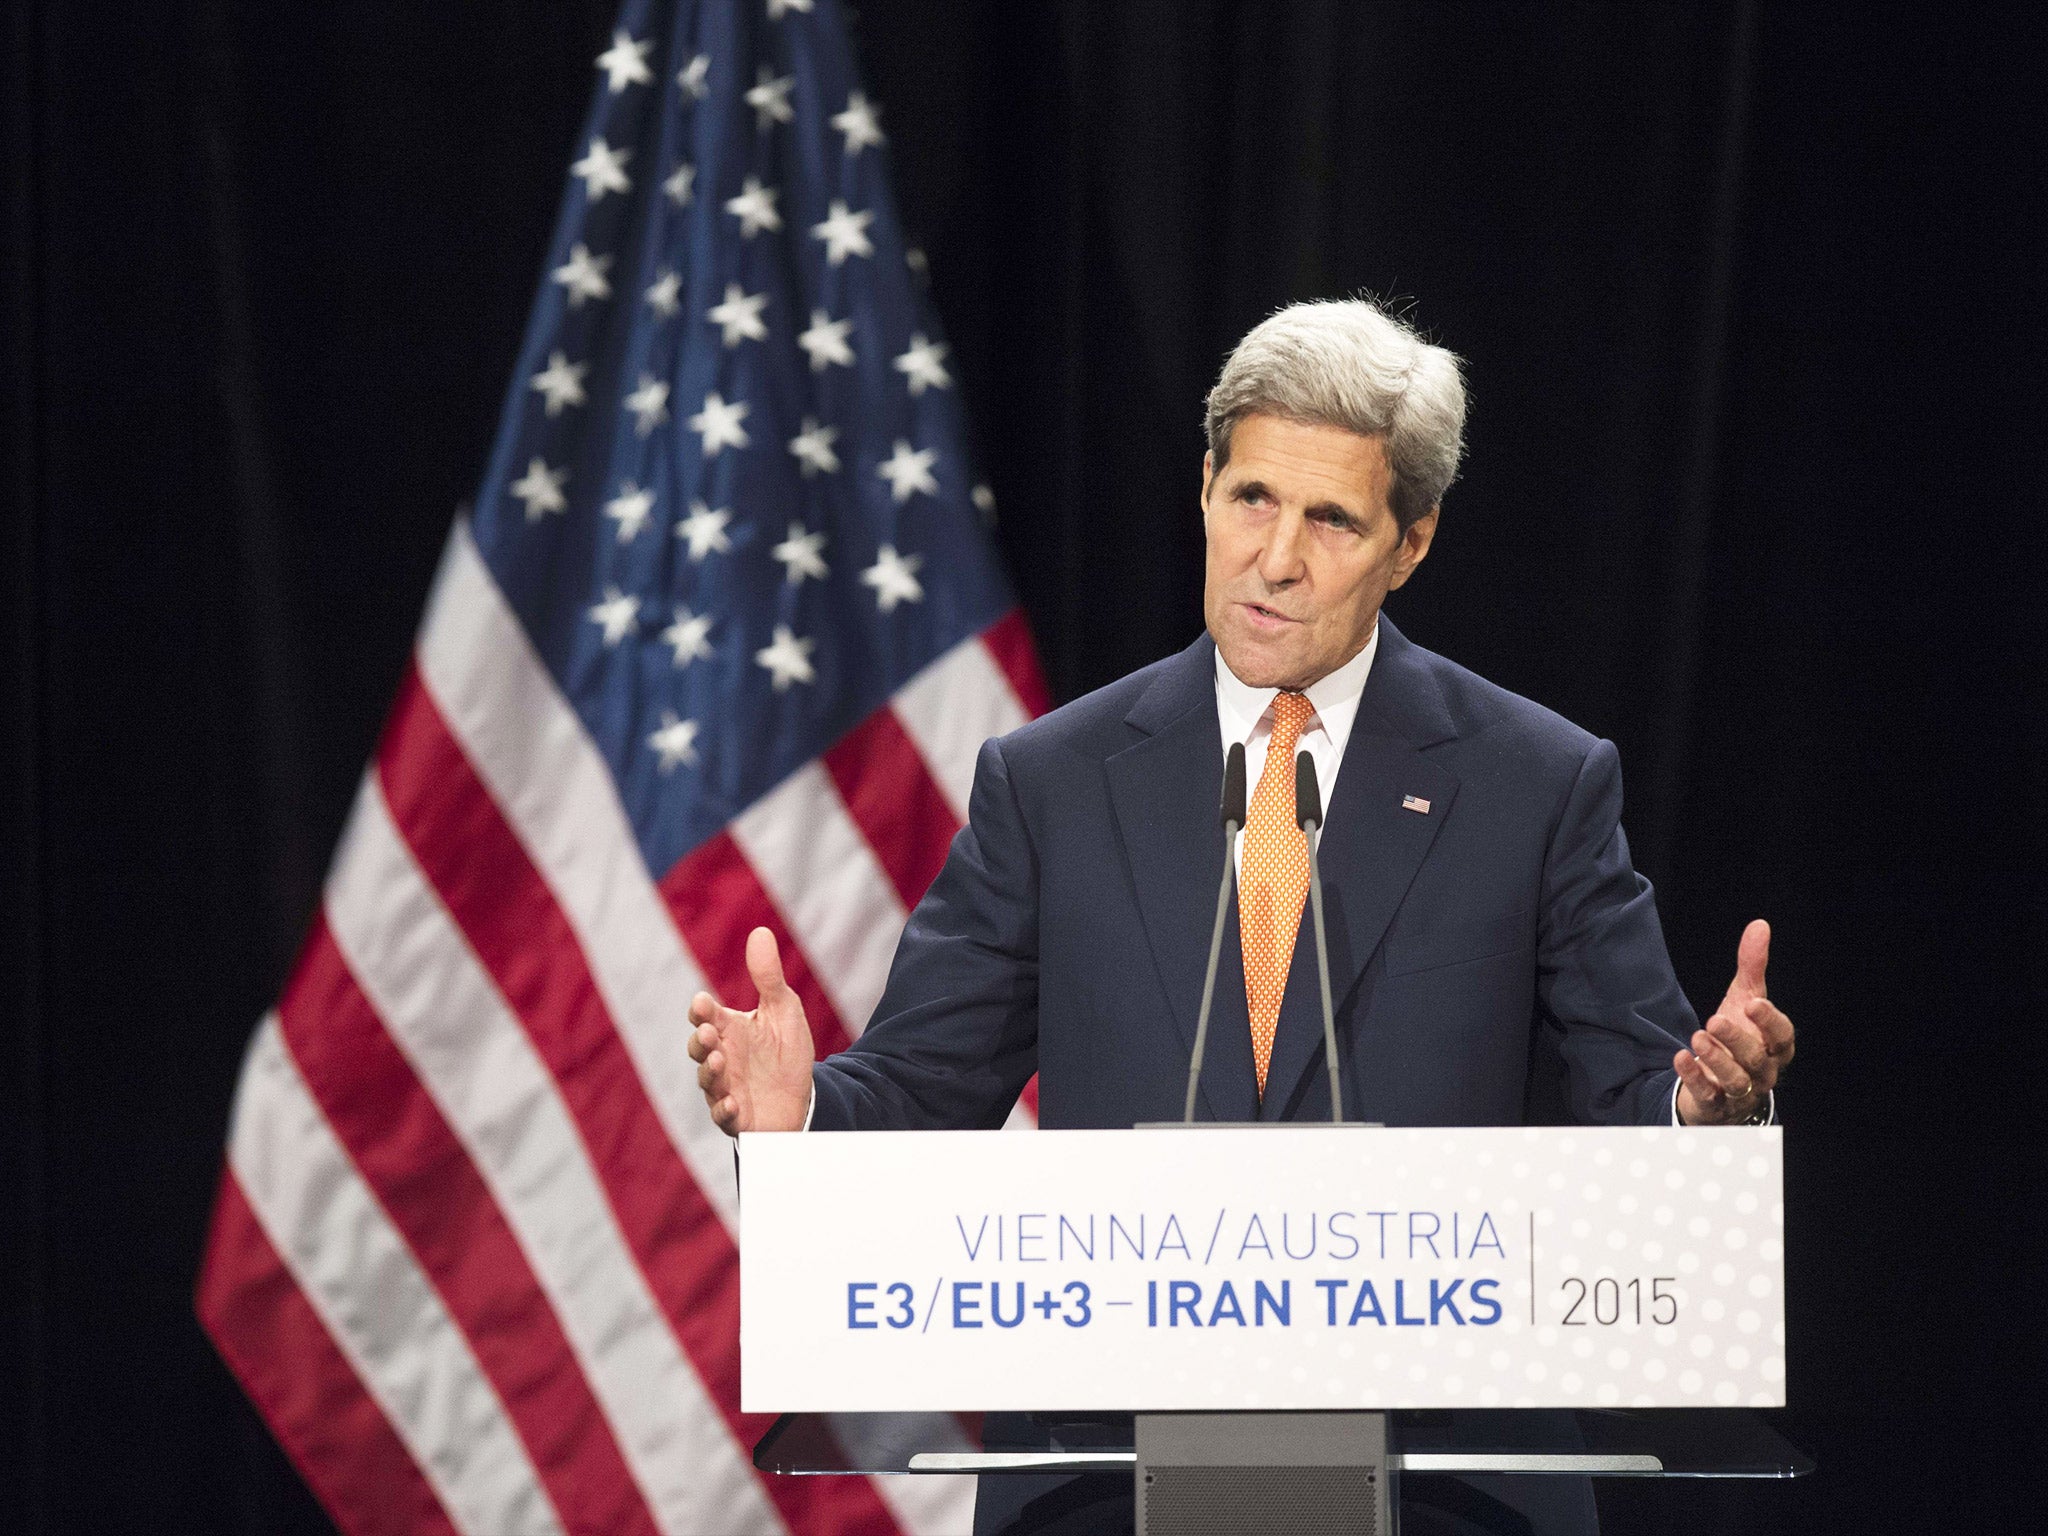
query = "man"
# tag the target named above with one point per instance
(1492, 949)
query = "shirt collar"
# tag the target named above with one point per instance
(1241, 708)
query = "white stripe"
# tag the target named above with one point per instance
(552, 784)
(817, 867)
(474, 1058)
(952, 707)
(381, 1310)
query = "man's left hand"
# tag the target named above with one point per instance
(1738, 1056)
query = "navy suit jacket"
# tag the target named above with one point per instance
(1493, 959)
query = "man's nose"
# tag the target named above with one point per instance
(1282, 559)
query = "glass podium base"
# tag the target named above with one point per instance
(1659, 1442)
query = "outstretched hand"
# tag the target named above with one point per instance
(755, 1067)
(1739, 1054)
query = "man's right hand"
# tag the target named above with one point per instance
(755, 1067)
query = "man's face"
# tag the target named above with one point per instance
(1303, 548)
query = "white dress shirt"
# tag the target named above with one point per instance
(1245, 714)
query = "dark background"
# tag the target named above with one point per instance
(1757, 390)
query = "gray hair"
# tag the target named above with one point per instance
(1348, 363)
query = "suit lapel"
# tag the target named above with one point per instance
(1165, 791)
(1371, 848)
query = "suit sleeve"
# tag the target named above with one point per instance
(955, 1037)
(1604, 977)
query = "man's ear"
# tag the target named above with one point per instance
(1414, 547)
(1208, 474)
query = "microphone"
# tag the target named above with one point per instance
(1308, 812)
(1233, 823)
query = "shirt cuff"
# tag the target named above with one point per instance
(811, 1108)
(1769, 1116)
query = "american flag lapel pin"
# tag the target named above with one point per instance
(1416, 804)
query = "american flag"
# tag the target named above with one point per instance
(716, 649)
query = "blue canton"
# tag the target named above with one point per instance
(730, 498)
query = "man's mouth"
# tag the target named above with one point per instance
(1263, 617)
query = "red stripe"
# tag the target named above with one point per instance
(1009, 641)
(1029, 1097)
(894, 800)
(718, 900)
(287, 1362)
(434, 1195)
(505, 908)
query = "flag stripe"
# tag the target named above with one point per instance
(510, 919)
(287, 1362)
(496, 1089)
(426, 1183)
(528, 747)
(826, 881)
(384, 1315)
(898, 805)
(718, 900)
(1009, 642)
(952, 707)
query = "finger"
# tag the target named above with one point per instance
(702, 1039)
(764, 965)
(711, 1074)
(704, 1008)
(725, 1114)
(1744, 1040)
(1775, 1027)
(1720, 1065)
(1751, 955)
(1705, 1094)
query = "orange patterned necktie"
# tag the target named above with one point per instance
(1272, 880)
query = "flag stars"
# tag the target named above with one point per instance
(825, 341)
(617, 616)
(860, 122)
(739, 317)
(695, 77)
(625, 63)
(718, 424)
(894, 578)
(769, 97)
(560, 384)
(681, 183)
(777, 9)
(844, 232)
(664, 295)
(583, 275)
(541, 489)
(602, 169)
(630, 510)
(909, 471)
(649, 404)
(674, 742)
(755, 208)
(801, 554)
(788, 658)
(813, 448)
(689, 636)
(704, 531)
(924, 364)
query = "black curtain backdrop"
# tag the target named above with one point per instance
(1753, 489)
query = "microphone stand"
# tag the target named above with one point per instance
(1308, 812)
(1233, 823)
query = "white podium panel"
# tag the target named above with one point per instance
(1270, 1267)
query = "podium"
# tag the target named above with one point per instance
(1267, 1327)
